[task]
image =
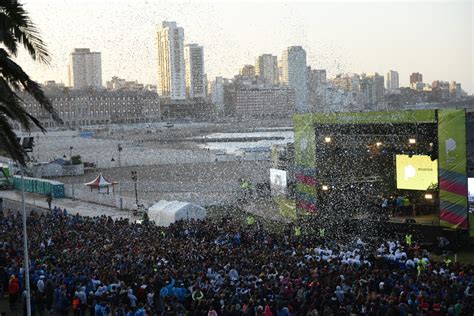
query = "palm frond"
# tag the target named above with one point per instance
(16, 26)
(9, 142)
(14, 75)
(10, 105)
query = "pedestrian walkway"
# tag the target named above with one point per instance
(72, 206)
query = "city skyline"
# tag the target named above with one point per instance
(124, 32)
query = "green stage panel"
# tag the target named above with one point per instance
(305, 140)
(401, 117)
(305, 160)
(452, 168)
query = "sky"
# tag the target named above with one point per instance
(434, 38)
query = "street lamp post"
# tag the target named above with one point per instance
(26, 258)
(135, 179)
(119, 148)
(120, 193)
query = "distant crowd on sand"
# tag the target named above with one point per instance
(101, 267)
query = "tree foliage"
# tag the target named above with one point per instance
(17, 29)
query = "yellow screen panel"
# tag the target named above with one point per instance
(416, 173)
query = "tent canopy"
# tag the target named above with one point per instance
(165, 213)
(99, 182)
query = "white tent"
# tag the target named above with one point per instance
(165, 212)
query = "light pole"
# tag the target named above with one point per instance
(119, 148)
(135, 179)
(70, 152)
(120, 193)
(26, 258)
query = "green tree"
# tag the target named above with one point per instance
(76, 160)
(17, 29)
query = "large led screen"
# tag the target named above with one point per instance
(417, 172)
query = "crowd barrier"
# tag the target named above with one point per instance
(113, 199)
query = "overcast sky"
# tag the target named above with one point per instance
(434, 38)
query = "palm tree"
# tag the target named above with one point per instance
(17, 29)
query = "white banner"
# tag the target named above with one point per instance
(470, 189)
(278, 182)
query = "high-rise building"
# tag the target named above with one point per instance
(392, 80)
(266, 67)
(85, 69)
(418, 86)
(315, 78)
(264, 101)
(379, 87)
(347, 82)
(171, 69)
(319, 77)
(316, 82)
(216, 92)
(294, 74)
(280, 70)
(455, 90)
(416, 77)
(372, 88)
(440, 90)
(195, 78)
(247, 71)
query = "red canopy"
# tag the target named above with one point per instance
(100, 182)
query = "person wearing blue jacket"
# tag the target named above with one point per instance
(168, 289)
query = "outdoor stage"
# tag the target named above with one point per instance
(347, 164)
(431, 219)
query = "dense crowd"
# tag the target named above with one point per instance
(98, 266)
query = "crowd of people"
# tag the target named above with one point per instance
(104, 267)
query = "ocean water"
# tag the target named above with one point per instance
(239, 147)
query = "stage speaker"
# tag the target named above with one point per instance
(434, 151)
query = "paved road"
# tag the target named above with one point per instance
(82, 208)
(16, 207)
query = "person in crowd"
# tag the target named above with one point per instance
(49, 200)
(13, 292)
(100, 267)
